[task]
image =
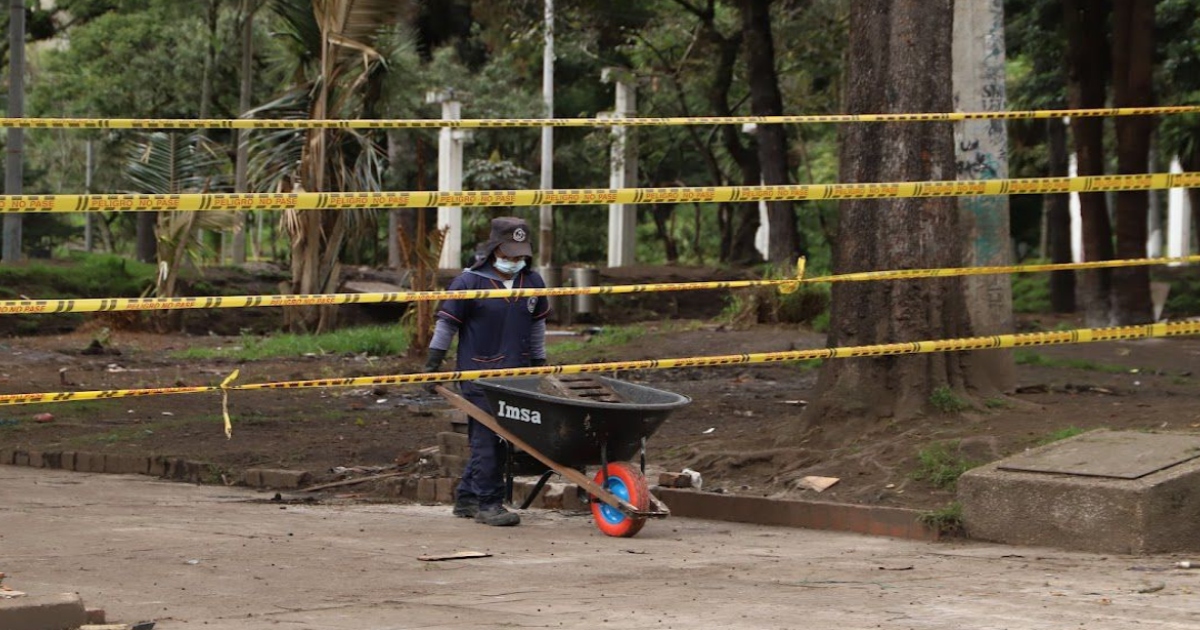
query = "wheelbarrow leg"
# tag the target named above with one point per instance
(541, 483)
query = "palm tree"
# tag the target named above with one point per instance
(338, 74)
(172, 163)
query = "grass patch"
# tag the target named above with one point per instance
(1027, 357)
(941, 465)
(370, 340)
(607, 337)
(997, 403)
(946, 401)
(1061, 434)
(947, 521)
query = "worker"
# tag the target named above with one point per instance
(493, 333)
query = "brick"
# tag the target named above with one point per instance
(674, 480)
(158, 466)
(52, 459)
(6, 456)
(20, 458)
(106, 626)
(89, 462)
(96, 616)
(66, 460)
(454, 444)
(286, 479)
(36, 459)
(126, 464)
(449, 465)
(445, 490)
(574, 500)
(252, 477)
(551, 496)
(44, 612)
(426, 490)
(409, 490)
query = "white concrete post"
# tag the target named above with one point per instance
(622, 217)
(450, 175)
(1179, 218)
(762, 237)
(1076, 209)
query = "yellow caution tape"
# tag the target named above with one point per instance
(488, 198)
(1083, 335)
(785, 285)
(225, 385)
(490, 123)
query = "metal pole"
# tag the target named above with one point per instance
(546, 213)
(14, 171)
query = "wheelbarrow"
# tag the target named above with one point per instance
(567, 431)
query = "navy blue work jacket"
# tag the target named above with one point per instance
(494, 333)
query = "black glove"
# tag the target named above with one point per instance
(433, 364)
(537, 362)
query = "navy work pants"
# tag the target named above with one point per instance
(483, 477)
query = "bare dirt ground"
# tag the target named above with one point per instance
(729, 433)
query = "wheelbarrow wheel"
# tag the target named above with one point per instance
(628, 483)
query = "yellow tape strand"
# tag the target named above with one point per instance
(225, 385)
(488, 123)
(229, 202)
(786, 285)
(1083, 335)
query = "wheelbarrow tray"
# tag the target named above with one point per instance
(580, 432)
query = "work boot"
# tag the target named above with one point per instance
(466, 506)
(497, 516)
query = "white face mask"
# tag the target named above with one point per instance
(509, 267)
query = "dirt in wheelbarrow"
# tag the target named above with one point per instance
(729, 433)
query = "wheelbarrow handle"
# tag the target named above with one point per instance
(571, 474)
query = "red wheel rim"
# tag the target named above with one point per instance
(628, 483)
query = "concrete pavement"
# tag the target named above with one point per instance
(222, 558)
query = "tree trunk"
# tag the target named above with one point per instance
(1058, 223)
(1133, 78)
(1087, 60)
(982, 151)
(899, 61)
(765, 100)
(147, 245)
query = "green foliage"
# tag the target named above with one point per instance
(946, 401)
(1031, 293)
(947, 521)
(81, 276)
(941, 465)
(368, 340)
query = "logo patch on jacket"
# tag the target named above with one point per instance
(532, 304)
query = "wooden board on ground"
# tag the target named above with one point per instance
(581, 386)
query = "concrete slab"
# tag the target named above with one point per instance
(1152, 512)
(1123, 455)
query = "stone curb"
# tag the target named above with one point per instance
(43, 612)
(862, 519)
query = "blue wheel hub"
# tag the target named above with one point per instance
(618, 488)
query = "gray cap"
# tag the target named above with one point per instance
(511, 235)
